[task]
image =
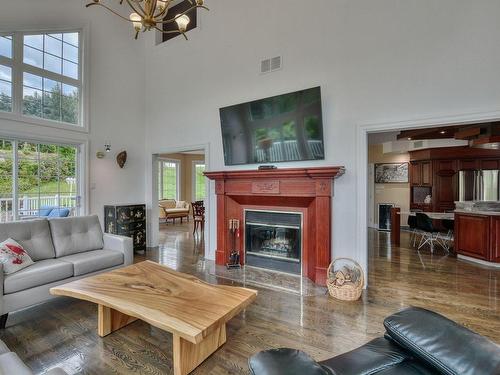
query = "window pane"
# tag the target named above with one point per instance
(52, 105)
(56, 36)
(50, 85)
(6, 46)
(33, 57)
(5, 88)
(35, 41)
(71, 38)
(168, 177)
(32, 102)
(70, 69)
(70, 52)
(53, 46)
(69, 109)
(199, 182)
(33, 81)
(52, 63)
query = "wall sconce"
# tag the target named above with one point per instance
(107, 148)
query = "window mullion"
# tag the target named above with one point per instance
(15, 197)
(17, 74)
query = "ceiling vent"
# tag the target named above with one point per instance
(270, 65)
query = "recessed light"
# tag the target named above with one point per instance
(443, 131)
(409, 138)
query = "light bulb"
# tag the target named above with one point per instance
(200, 2)
(161, 5)
(182, 22)
(136, 21)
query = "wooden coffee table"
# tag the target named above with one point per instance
(193, 311)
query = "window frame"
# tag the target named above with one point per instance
(82, 186)
(18, 67)
(193, 184)
(177, 163)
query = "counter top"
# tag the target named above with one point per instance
(485, 213)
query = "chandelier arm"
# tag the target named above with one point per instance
(109, 9)
(183, 13)
(164, 11)
(138, 11)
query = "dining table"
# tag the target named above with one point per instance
(396, 221)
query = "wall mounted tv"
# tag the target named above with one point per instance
(281, 128)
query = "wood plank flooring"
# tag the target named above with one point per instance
(63, 332)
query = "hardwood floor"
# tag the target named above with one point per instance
(63, 332)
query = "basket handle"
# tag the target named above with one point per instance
(351, 260)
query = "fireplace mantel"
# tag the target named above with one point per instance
(304, 190)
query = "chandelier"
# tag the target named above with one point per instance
(152, 15)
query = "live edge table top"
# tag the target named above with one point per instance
(167, 299)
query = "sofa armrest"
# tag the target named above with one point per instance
(120, 243)
(442, 343)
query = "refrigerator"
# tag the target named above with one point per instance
(479, 185)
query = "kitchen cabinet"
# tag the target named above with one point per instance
(472, 235)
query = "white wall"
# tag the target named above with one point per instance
(116, 93)
(376, 61)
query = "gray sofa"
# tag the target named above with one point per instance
(63, 249)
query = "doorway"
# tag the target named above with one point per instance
(180, 200)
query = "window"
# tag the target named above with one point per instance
(41, 78)
(199, 180)
(169, 179)
(36, 179)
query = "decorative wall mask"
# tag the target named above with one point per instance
(121, 158)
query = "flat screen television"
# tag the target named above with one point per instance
(277, 129)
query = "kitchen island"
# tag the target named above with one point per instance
(477, 236)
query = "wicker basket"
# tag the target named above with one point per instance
(349, 291)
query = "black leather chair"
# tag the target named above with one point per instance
(417, 342)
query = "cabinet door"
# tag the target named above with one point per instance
(472, 235)
(495, 239)
(415, 173)
(426, 173)
(445, 185)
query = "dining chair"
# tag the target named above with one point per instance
(430, 234)
(198, 216)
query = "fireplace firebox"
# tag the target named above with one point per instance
(273, 240)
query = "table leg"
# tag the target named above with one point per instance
(187, 356)
(110, 320)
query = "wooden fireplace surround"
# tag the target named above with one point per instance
(302, 190)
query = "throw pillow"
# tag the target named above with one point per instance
(180, 204)
(13, 256)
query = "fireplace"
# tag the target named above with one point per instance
(296, 237)
(273, 240)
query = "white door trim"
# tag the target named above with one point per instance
(152, 196)
(362, 131)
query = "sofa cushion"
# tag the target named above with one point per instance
(181, 204)
(92, 261)
(10, 363)
(442, 343)
(370, 358)
(33, 235)
(75, 235)
(177, 211)
(40, 273)
(59, 212)
(285, 361)
(167, 203)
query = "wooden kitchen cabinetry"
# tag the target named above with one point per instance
(478, 236)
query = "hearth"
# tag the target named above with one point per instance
(273, 240)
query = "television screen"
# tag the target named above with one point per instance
(277, 129)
